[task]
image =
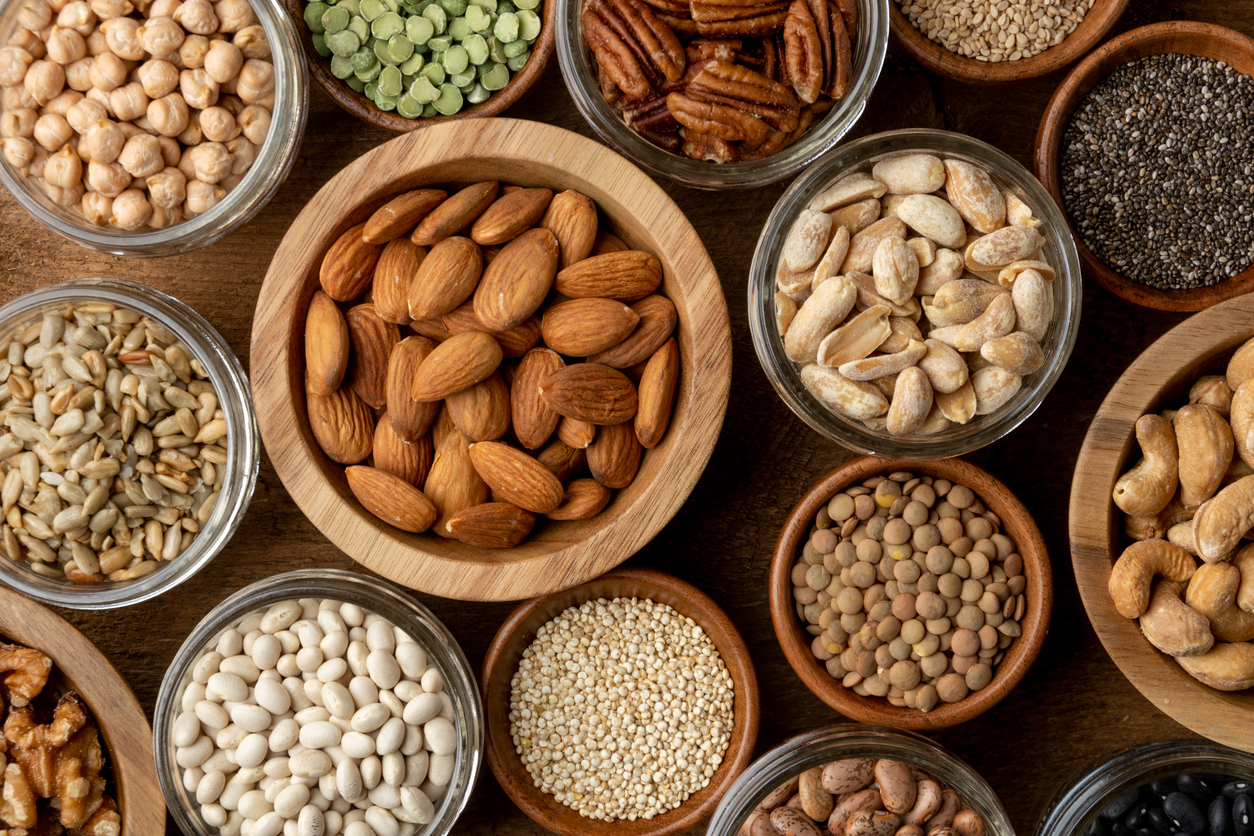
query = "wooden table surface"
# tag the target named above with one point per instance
(1073, 707)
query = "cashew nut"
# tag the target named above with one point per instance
(1135, 569)
(1241, 366)
(1204, 442)
(1174, 627)
(1213, 592)
(1156, 526)
(1181, 534)
(1244, 561)
(1242, 417)
(1212, 390)
(1223, 520)
(1147, 488)
(1225, 667)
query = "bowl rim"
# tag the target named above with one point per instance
(727, 640)
(362, 108)
(793, 640)
(1217, 715)
(1155, 39)
(529, 148)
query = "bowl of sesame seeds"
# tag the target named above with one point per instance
(626, 705)
(1144, 146)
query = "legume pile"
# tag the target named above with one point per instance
(995, 30)
(1157, 175)
(1183, 804)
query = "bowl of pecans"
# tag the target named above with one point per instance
(723, 96)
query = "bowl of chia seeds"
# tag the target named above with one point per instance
(1145, 147)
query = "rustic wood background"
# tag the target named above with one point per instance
(1072, 708)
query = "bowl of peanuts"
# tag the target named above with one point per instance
(914, 596)
(151, 127)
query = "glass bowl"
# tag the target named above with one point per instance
(373, 596)
(243, 450)
(1077, 804)
(861, 155)
(868, 59)
(805, 751)
(274, 160)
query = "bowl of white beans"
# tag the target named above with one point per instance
(148, 127)
(318, 703)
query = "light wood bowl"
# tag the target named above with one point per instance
(1017, 524)
(366, 110)
(517, 633)
(939, 60)
(127, 737)
(1159, 378)
(557, 555)
(1186, 37)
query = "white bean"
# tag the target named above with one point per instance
(332, 670)
(313, 690)
(227, 686)
(385, 795)
(284, 735)
(271, 824)
(241, 666)
(358, 828)
(392, 702)
(186, 729)
(441, 736)
(352, 614)
(357, 745)
(214, 814)
(206, 666)
(277, 767)
(192, 778)
(230, 737)
(370, 717)
(195, 693)
(266, 651)
(421, 709)
(382, 668)
(280, 617)
(310, 763)
(253, 804)
(319, 734)
(272, 696)
(250, 641)
(379, 636)
(288, 640)
(309, 632)
(406, 690)
(364, 691)
(416, 769)
(392, 735)
(210, 787)
(331, 622)
(309, 658)
(412, 659)
(357, 654)
(253, 718)
(334, 645)
(393, 768)
(230, 643)
(219, 761)
(252, 751)
(310, 822)
(380, 821)
(235, 789)
(417, 804)
(195, 754)
(312, 714)
(412, 744)
(440, 770)
(287, 665)
(327, 787)
(348, 780)
(337, 700)
(289, 802)
(371, 772)
(432, 681)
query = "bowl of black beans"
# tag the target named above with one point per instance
(1145, 147)
(1172, 788)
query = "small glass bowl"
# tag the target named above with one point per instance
(572, 54)
(373, 596)
(805, 751)
(861, 155)
(1077, 804)
(274, 160)
(243, 448)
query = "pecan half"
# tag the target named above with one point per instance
(820, 13)
(609, 90)
(849, 16)
(773, 141)
(718, 120)
(649, 115)
(679, 24)
(766, 20)
(707, 147)
(734, 86)
(634, 48)
(668, 141)
(841, 75)
(803, 52)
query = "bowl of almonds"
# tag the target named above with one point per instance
(915, 296)
(499, 360)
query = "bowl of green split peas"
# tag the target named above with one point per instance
(404, 64)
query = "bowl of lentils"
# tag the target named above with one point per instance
(1144, 146)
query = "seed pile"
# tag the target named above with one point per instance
(995, 31)
(621, 709)
(1156, 171)
(1181, 804)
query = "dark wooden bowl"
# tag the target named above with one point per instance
(365, 110)
(1186, 37)
(517, 633)
(936, 58)
(1017, 524)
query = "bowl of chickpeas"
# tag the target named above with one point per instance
(148, 127)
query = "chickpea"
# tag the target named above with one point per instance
(168, 115)
(230, 88)
(218, 125)
(193, 51)
(129, 102)
(97, 44)
(78, 74)
(256, 80)
(224, 61)
(167, 188)
(170, 150)
(253, 42)
(34, 14)
(85, 114)
(52, 131)
(123, 36)
(110, 179)
(44, 80)
(197, 17)
(233, 104)
(38, 161)
(18, 151)
(14, 63)
(64, 168)
(199, 90)
(77, 16)
(201, 197)
(102, 142)
(234, 15)
(65, 46)
(131, 210)
(97, 208)
(141, 156)
(67, 197)
(230, 181)
(193, 135)
(211, 161)
(158, 77)
(185, 164)
(243, 154)
(20, 122)
(61, 104)
(161, 36)
(101, 98)
(29, 41)
(255, 122)
(106, 9)
(129, 130)
(163, 8)
(164, 218)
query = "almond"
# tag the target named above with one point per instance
(348, 266)
(400, 214)
(629, 276)
(407, 460)
(562, 460)
(373, 340)
(534, 421)
(342, 425)
(391, 498)
(572, 218)
(397, 266)
(657, 394)
(410, 419)
(517, 280)
(579, 327)
(515, 342)
(482, 411)
(590, 392)
(455, 214)
(492, 525)
(455, 364)
(614, 456)
(453, 484)
(510, 215)
(657, 322)
(608, 242)
(445, 279)
(442, 430)
(576, 433)
(432, 329)
(514, 474)
(582, 499)
(326, 345)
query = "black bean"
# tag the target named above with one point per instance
(1219, 817)
(1235, 788)
(1121, 829)
(1138, 816)
(1184, 813)
(1146, 831)
(1243, 815)
(1122, 804)
(1163, 823)
(1163, 787)
(1195, 787)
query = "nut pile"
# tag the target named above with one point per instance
(910, 590)
(1189, 503)
(749, 81)
(315, 717)
(996, 30)
(621, 709)
(1182, 805)
(501, 321)
(60, 761)
(138, 116)
(112, 446)
(864, 797)
(914, 298)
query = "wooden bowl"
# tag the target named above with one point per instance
(1017, 524)
(366, 110)
(1201, 39)
(1159, 378)
(1097, 22)
(557, 555)
(127, 737)
(517, 633)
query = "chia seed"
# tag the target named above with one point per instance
(1158, 171)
